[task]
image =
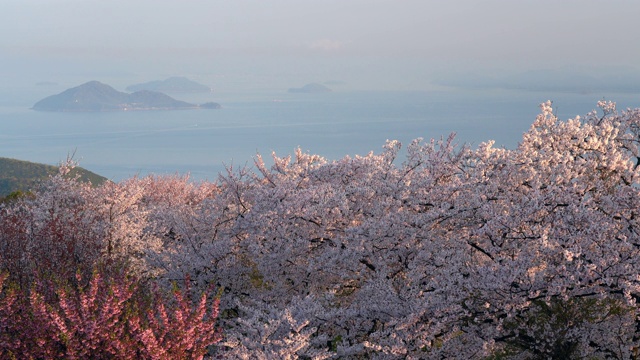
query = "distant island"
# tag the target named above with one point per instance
(311, 88)
(172, 84)
(96, 96)
(210, 105)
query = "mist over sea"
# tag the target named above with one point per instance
(119, 145)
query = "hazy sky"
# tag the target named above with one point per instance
(368, 43)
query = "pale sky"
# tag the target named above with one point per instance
(369, 43)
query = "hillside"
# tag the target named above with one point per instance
(24, 175)
(96, 96)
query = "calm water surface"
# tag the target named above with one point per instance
(122, 144)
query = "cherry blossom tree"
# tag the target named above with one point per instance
(49, 231)
(458, 251)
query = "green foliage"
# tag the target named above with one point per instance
(547, 328)
(15, 195)
(333, 343)
(257, 279)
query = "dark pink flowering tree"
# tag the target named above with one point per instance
(106, 320)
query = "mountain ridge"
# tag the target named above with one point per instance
(173, 84)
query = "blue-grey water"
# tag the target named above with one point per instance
(119, 145)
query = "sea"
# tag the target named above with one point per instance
(203, 143)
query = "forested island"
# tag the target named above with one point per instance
(96, 96)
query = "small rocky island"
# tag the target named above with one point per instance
(174, 84)
(311, 88)
(96, 96)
